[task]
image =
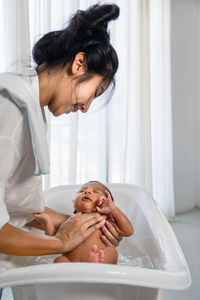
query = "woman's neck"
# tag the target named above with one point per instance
(45, 87)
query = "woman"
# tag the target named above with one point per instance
(74, 66)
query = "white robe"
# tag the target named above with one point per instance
(23, 149)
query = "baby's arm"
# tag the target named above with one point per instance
(118, 219)
(47, 223)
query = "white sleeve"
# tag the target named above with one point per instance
(8, 162)
(4, 216)
(9, 159)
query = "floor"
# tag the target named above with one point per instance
(187, 229)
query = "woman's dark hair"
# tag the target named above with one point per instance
(86, 32)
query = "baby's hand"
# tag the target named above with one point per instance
(41, 218)
(105, 204)
(46, 221)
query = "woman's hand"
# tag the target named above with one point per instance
(77, 228)
(110, 235)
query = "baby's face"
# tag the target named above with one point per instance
(88, 196)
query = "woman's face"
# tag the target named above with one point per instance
(61, 90)
(70, 96)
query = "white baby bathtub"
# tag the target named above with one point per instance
(153, 256)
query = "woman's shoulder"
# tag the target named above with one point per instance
(14, 128)
(20, 75)
(8, 108)
(8, 79)
(13, 120)
(18, 84)
(13, 97)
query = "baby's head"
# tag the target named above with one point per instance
(88, 196)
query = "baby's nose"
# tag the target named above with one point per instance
(88, 191)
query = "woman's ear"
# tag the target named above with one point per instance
(79, 64)
(75, 211)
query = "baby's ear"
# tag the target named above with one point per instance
(75, 211)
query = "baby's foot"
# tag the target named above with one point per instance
(95, 256)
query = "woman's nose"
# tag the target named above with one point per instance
(84, 108)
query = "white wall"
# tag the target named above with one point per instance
(185, 45)
(197, 183)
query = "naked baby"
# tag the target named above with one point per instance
(93, 197)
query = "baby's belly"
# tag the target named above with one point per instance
(80, 252)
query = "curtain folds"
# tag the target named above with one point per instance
(161, 110)
(14, 35)
(130, 139)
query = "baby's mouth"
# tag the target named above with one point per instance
(85, 198)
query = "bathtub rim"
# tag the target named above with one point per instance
(96, 273)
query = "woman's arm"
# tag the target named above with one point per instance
(15, 241)
(70, 234)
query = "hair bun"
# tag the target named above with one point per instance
(97, 16)
(103, 14)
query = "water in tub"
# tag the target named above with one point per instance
(130, 254)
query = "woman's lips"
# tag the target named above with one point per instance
(74, 108)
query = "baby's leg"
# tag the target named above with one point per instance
(110, 255)
(107, 256)
(61, 259)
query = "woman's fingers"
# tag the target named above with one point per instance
(77, 228)
(110, 235)
(88, 220)
(110, 230)
(108, 243)
(94, 223)
(88, 231)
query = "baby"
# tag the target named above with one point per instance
(93, 197)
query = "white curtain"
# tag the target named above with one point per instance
(130, 139)
(161, 110)
(14, 35)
